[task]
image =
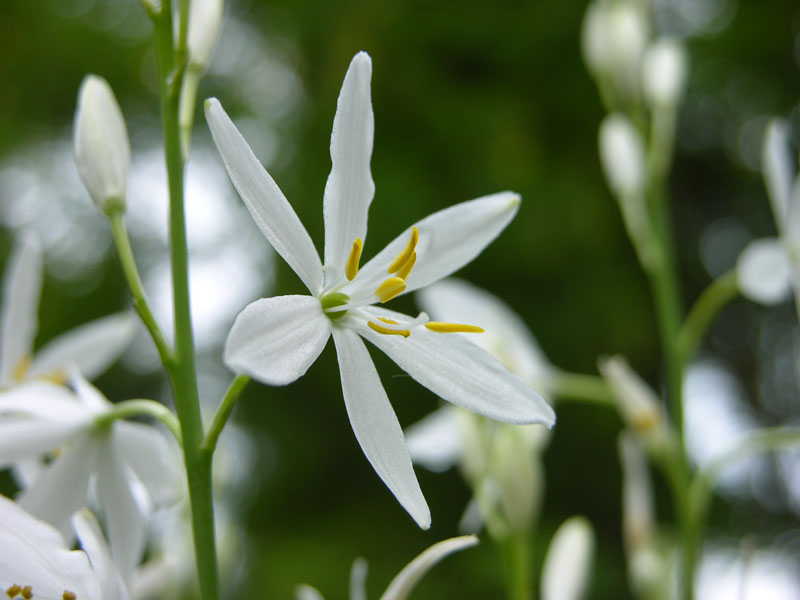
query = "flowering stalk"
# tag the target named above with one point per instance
(171, 62)
(718, 293)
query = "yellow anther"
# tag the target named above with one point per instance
(389, 321)
(13, 591)
(58, 377)
(407, 266)
(27, 592)
(67, 595)
(440, 327)
(351, 266)
(386, 331)
(19, 370)
(389, 288)
(401, 258)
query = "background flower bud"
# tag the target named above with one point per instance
(205, 19)
(568, 564)
(102, 150)
(664, 72)
(622, 155)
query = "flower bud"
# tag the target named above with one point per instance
(622, 155)
(763, 272)
(568, 564)
(638, 404)
(102, 150)
(205, 19)
(664, 72)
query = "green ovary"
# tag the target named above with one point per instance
(333, 300)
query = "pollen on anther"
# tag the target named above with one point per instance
(440, 327)
(407, 266)
(67, 595)
(13, 591)
(27, 592)
(351, 266)
(391, 287)
(401, 258)
(386, 331)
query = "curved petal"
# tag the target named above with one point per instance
(375, 424)
(31, 438)
(61, 488)
(461, 372)
(22, 286)
(125, 521)
(92, 347)
(349, 190)
(94, 544)
(268, 206)
(148, 453)
(275, 340)
(404, 582)
(448, 240)
(777, 167)
(763, 271)
(44, 400)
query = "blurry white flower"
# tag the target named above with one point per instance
(128, 464)
(638, 404)
(763, 271)
(205, 20)
(664, 72)
(91, 348)
(405, 581)
(102, 150)
(35, 562)
(622, 155)
(568, 565)
(275, 340)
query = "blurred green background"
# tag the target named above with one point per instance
(469, 98)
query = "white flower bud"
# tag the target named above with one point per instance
(205, 19)
(102, 150)
(622, 155)
(664, 72)
(638, 404)
(568, 564)
(763, 271)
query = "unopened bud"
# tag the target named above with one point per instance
(664, 72)
(622, 155)
(205, 19)
(638, 404)
(102, 150)
(763, 272)
(568, 564)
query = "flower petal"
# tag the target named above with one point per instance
(23, 438)
(146, 451)
(568, 564)
(268, 206)
(448, 240)
(94, 544)
(459, 371)
(349, 190)
(506, 336)
(777, 167)
(44, 400)
(92, 347)
(404, 582)
(306, 592)
(22, 286)
(61, 488)
(358, 580)
(763, 271)
(275, 340)
(376, 427)
(435, 441)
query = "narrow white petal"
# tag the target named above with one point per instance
(763, 271)
(275, 340)
(61, 488)
(349, 190)
(358, 580)
(92, 347)
(26, 439)
(448, 240)
(268, 206)
(777, 168)
(568, 564)
(90, 397)
(125, 521)
(44, 400)
(435, 441)
(375, 425)
(148, 453)
(22, 286)
(459, 371)
(406, 579)
(506, 336)
(94, 544)
(306, 592)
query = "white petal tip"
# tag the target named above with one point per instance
(210, 104)
(362, 58)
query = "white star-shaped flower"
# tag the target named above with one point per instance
(128, 464)
(275, 340)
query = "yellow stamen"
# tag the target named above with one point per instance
(351, 267)
(406, 268)
(58, 377)
(440, 327)
(389, 289)
(386, 331)
(385, 320)
(19, 370)
(13, 591)
(27, 592)
(401, 258)
(67, 595)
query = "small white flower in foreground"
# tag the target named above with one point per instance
(405, 581)
(91, 348)
(275, 340)
(568, 564)
(129, 464)
(102, 150)
(35, 562)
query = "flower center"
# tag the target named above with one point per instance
(331, 301)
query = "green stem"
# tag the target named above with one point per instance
(223, 412)
(718, 293)
(183, 374)
(580, 387)
(140, 304)
(142, 408)
(517, 560)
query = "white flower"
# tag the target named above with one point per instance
(91, 348)
(35, 562)
(205, 19)
(102, 150)
(128, 464)
(275, 340)
(568, 564)
(664, 72)
(405, 581)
